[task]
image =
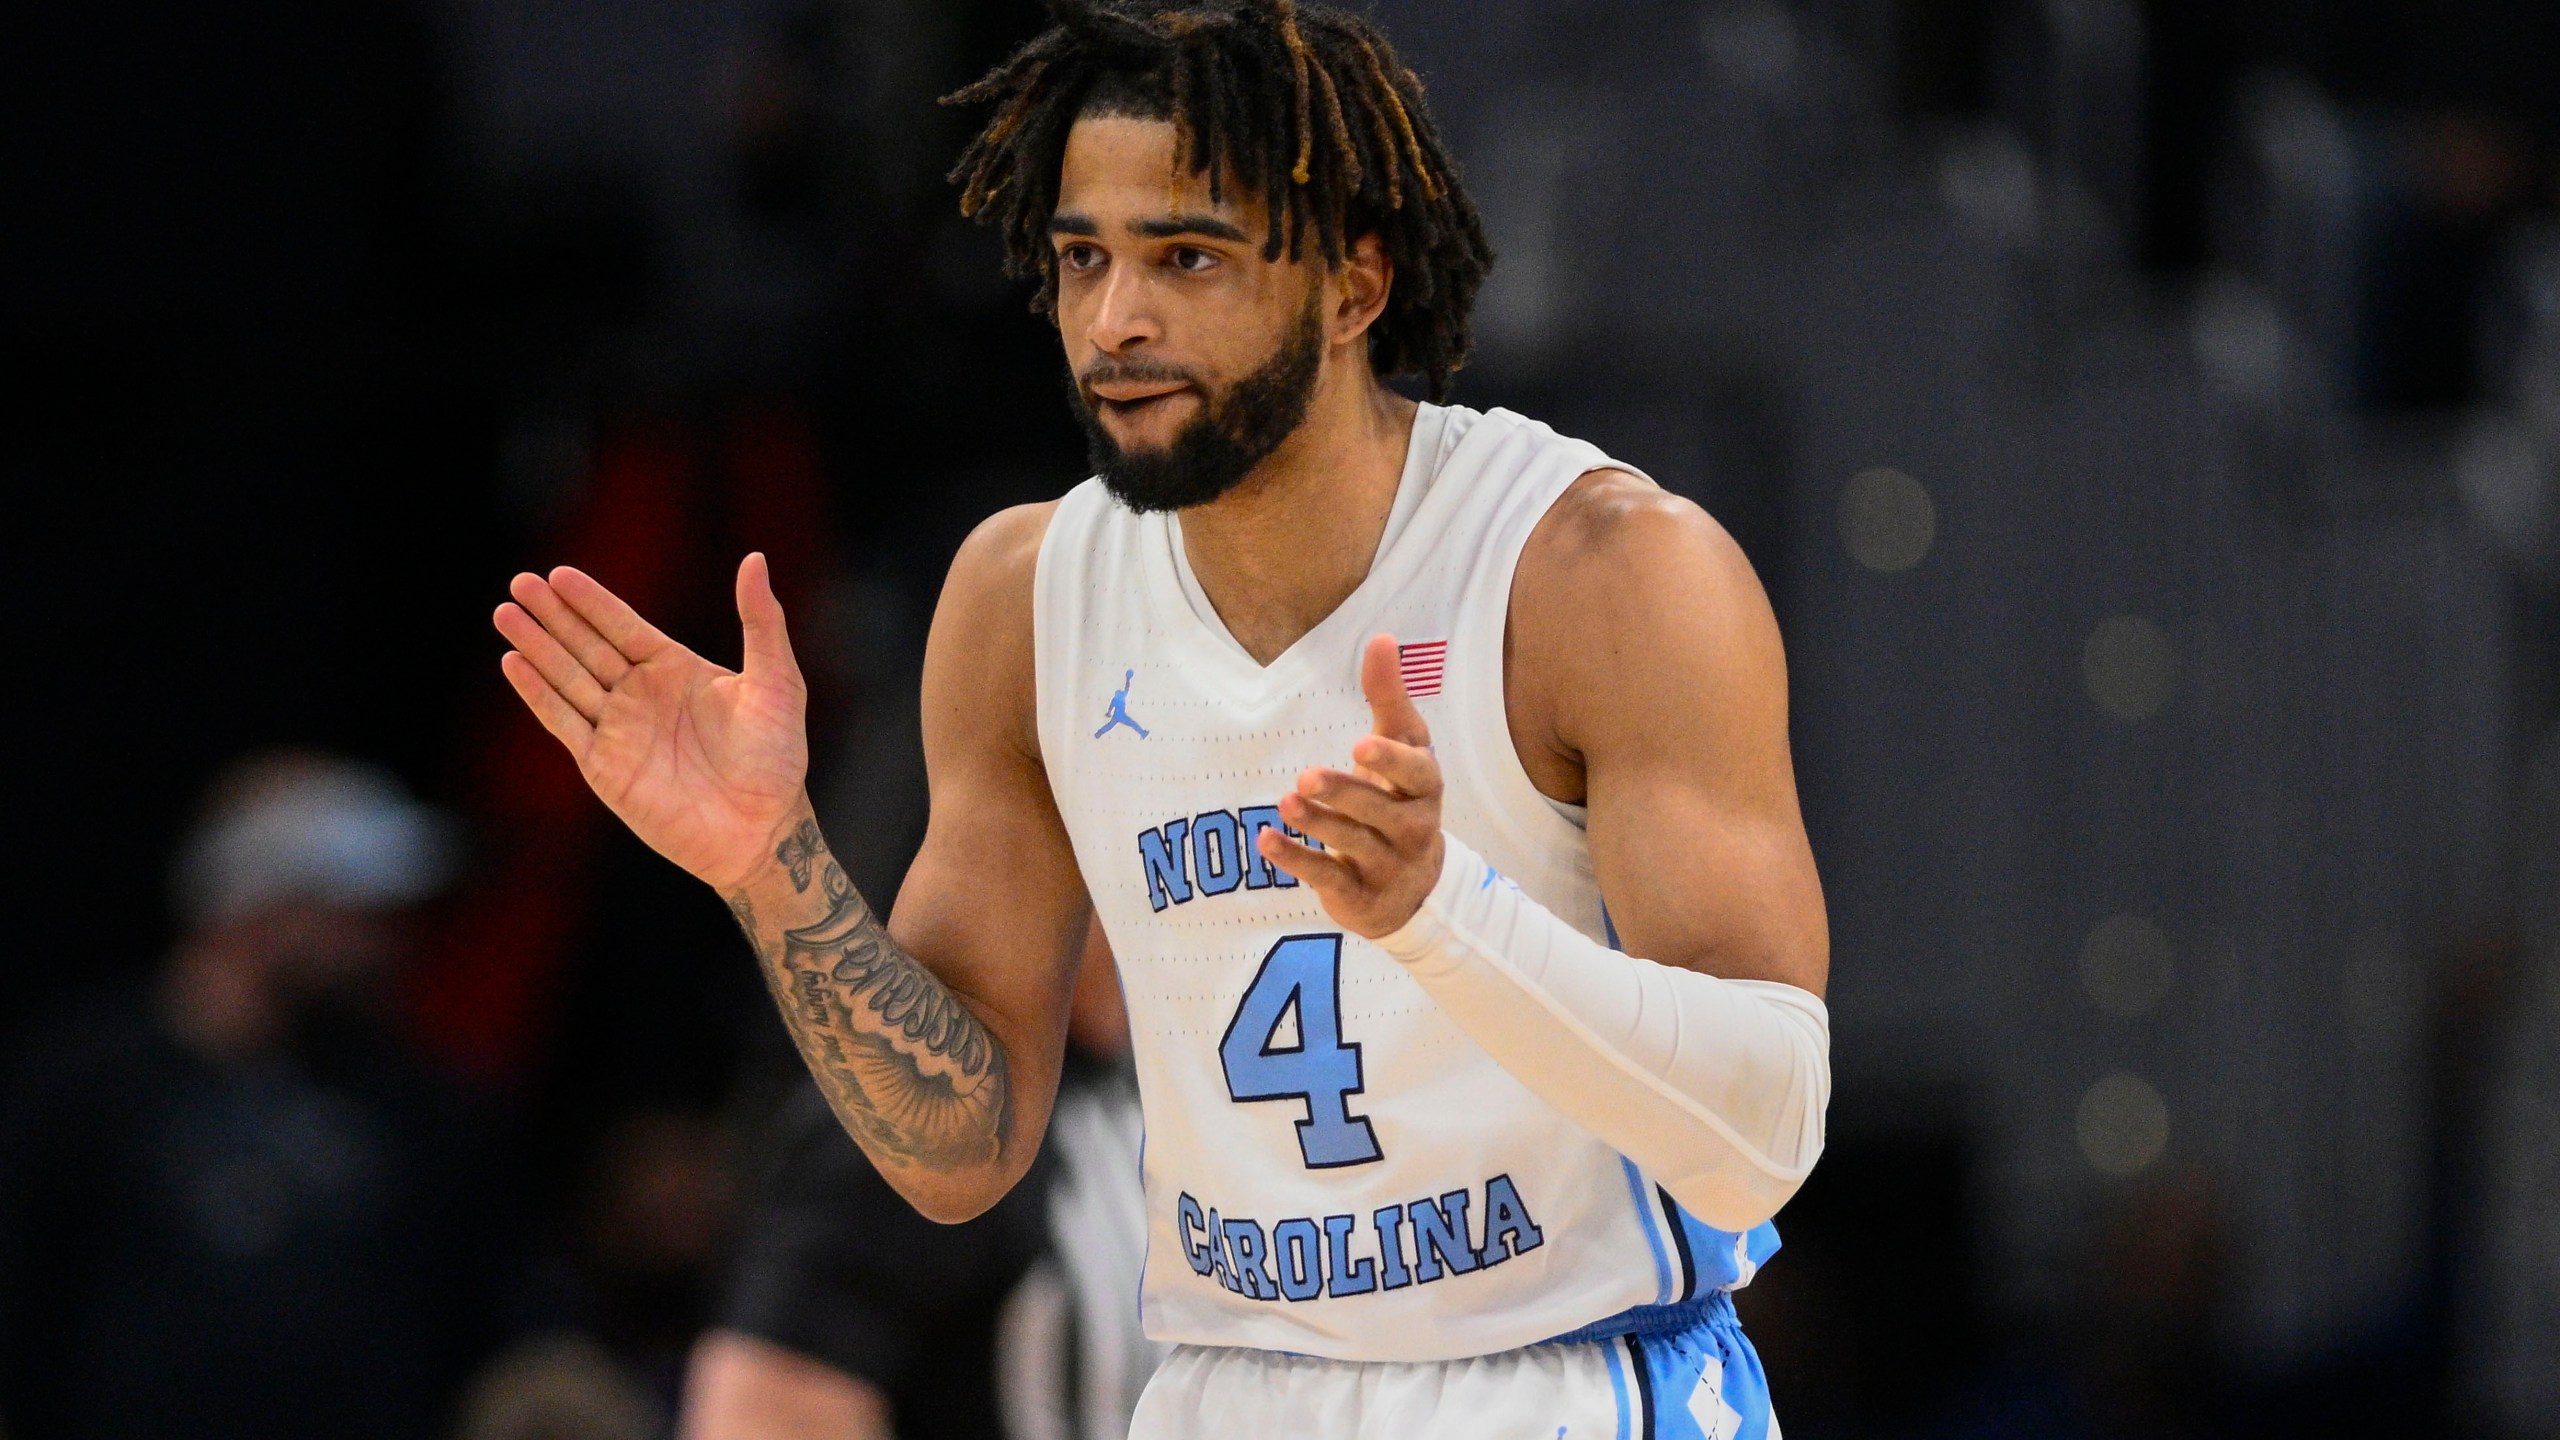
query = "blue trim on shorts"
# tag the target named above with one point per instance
(1652, 1231)
(1648, 1424)
(1746, 1389)
(1675, 1375)
(1617, 1386)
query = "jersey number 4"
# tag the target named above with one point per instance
(1302, 975)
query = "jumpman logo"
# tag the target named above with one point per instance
(1120, 709)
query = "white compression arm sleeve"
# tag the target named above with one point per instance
(1719, 1086)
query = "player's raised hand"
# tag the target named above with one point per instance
(1379, 822)
(705, 764)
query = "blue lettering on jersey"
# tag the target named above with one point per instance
(1507, 1220)
(1212, 853)
(1301, 973)
(1214, 862)
(1440, 1237)
(1297, 1252)
(1348, 1276)
(1390, 1223)
(1163, 854)
(1219, 1268)
(1245, 1243)
(1261, 874)
(1197, 1252)
(1305, 1257)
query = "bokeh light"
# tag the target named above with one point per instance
(1887, 520)
(2130, 667)
(2123, 1124)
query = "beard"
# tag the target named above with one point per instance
(1233, 431)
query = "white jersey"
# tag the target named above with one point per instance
(1331, 1167)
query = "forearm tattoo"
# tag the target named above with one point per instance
(910, 1070)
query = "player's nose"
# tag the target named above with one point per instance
(1123, 313)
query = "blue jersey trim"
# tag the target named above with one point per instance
(1146, 1237)
(1677, 1221)
(1652, 1232)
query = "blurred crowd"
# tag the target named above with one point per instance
(2145, 414)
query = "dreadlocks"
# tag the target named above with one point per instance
(1308, 108)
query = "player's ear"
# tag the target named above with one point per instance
(1360, 285)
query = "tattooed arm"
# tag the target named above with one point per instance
(910, 1070)
(936, 1035)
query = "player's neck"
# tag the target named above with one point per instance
(1279, 552)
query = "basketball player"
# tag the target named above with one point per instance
(1428, 770)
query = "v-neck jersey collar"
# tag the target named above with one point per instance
(1425, 450)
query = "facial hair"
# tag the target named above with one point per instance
(1233, 431)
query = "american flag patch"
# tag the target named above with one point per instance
(1422, 663)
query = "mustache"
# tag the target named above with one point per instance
(1143, 372)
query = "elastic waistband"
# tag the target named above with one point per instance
(1713, 1308)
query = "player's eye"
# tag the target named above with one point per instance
(1191, 260)
(1080, 257)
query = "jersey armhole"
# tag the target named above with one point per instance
(1053, 622)
(1517, 797)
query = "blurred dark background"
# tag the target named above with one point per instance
(2145, 413)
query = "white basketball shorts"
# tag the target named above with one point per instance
(1702, 1382)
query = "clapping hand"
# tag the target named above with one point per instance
(706, 765)
(1379, 821)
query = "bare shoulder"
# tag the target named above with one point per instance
(987, 594)
(1629, 592)
(1000, 557)
(1615, 540)
(981, 642)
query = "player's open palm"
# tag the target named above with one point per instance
(703, 763)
